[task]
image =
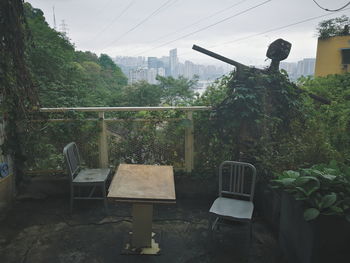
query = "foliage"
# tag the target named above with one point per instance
(332, 121)
(18, 94)
(178, 91)
(338, 26)
(254, 111)
(67, 77)
(323, 189)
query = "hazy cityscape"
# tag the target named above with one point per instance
(147, 68)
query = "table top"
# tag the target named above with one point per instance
(143, 183)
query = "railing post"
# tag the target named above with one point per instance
(189, 144)
(102, 142)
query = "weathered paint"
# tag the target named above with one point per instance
(329, 58)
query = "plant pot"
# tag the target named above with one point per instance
(268, 203)
(325, 239)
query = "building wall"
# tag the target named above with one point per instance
(329, 58)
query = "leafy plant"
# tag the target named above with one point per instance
(323, 189)
(334, 27)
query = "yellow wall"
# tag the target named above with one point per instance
(328, 57)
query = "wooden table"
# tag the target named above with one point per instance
(143, 186)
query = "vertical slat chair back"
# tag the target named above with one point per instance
(72, 158)
(237, 179)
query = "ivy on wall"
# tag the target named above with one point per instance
(18, 94)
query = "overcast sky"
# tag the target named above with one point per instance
(238, 29)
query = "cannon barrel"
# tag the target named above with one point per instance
(242, 66)
(219, 57)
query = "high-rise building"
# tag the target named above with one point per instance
(137, 74)
(306, 67)
(295, 70)
(290, 68)
(189, 69)
(151, 75)
(152, 62)
(173, 63)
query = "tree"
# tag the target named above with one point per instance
(334, 27)
(141, 94)
(177, 91)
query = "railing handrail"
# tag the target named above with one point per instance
(110, 109)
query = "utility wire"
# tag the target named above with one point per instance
(198, 21)
(155, 12)
(206, 27)
(115, 19)
(277, 28)
(331, 10)
(269, 30)
(195, 23)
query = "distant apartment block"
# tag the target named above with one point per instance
(295, 70)
(174, 63)
(138, 74)
(147, 69)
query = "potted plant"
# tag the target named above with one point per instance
(315, 213)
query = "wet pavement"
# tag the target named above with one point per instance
(38, 231)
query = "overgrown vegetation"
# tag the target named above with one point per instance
(66, 77)
(323, 189)
(338, 26)
(18, 94)
(259, 116)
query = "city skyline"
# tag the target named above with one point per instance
(147, 68)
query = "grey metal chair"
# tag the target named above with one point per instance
(236, 192)
(89, 178)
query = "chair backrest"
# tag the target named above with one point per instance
(72, 159)
(237, 179)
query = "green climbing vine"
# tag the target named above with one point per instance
(255, 114)
(18, 94)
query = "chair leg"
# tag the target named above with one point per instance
(104, 192)
(71, 198)
(210, 230)
(214, 223)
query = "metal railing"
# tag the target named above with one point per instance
(113, 130)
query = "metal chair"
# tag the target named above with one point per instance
(90, 178)
(236, 192)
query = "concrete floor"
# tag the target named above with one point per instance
(38, 231)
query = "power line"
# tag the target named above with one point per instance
(155, 12)
(269, 31)
(115, 19)
(277, 28)
(206, 27)
(195, 23)
(198, 21)
(331, 10)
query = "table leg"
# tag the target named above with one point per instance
(142, 225)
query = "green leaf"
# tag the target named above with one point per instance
(291, 174)
(311, 213)
(328, 200)
(333, 164)
(329, 176)
(301, 190)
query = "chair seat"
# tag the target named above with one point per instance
(232, 208)
(92, 176)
